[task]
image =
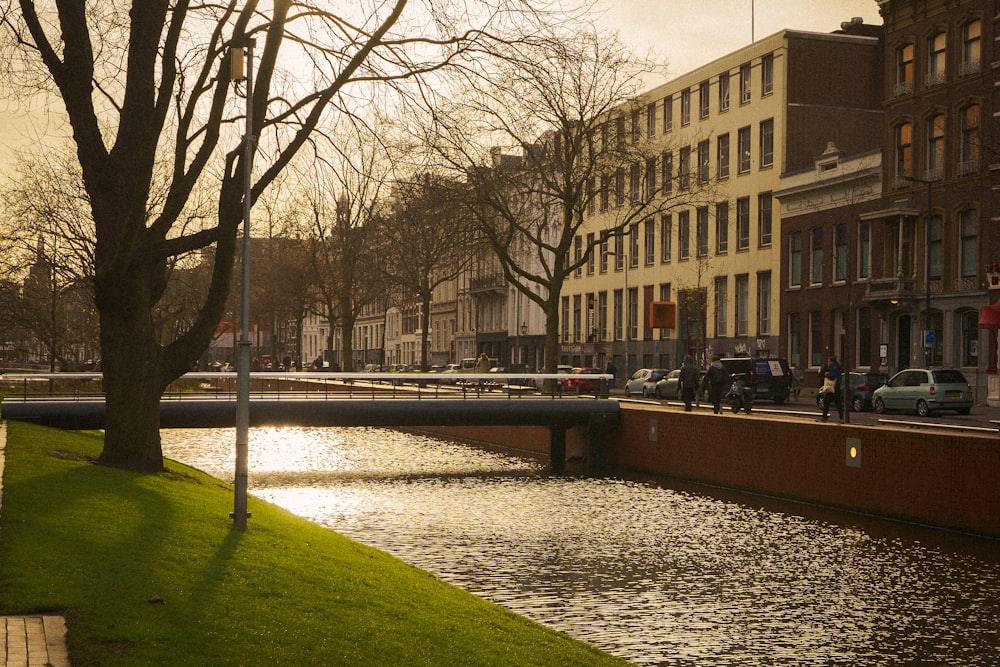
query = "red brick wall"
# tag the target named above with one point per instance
(943, 479)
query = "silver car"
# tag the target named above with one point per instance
(924, 391)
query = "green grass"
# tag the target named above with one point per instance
(104, 546)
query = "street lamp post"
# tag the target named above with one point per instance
(927, 268)
(240, 49)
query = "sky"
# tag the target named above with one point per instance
(685, 34)
(690, 33)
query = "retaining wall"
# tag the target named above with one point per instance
(948, 480)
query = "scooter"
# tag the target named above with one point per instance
(740, 396)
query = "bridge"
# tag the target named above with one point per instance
(208, 400)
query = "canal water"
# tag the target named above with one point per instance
(654, 571)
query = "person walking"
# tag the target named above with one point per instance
(689, 382)
(715, 379)
(482, 366)
(832, 380)
(797, 377)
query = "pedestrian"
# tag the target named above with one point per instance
(797, 377)
(611, 370)
(832, 381)
(482, 366)
(689, 382)
(715, 379)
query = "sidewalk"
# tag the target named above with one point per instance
(36, 640)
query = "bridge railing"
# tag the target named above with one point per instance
(89, 386)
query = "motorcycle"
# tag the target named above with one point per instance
(740, 396)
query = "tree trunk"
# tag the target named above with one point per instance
(132, 383)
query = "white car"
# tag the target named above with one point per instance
(643, 381)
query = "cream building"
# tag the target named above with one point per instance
(723, 135)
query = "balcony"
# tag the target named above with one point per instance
(882, 290)
(903, 88)
(495, 282)
(968, 68)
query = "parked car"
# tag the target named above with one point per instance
(577, 380)
(770, 379)
(643, 381)
(862, 386)
(669, 386)
(925, 391)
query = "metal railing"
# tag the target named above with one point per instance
(277, 385)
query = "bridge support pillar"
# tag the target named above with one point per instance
(599, 429)
(557, 448)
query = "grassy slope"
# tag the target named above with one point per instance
(99, 544)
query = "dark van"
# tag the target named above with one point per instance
(770, 379)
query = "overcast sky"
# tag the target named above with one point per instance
(687, 34)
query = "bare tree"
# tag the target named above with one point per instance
(144, 88)
(541, 145)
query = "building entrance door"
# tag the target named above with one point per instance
(903, 342)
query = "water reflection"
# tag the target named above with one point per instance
(658, 575)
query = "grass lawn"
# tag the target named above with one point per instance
(149, 571)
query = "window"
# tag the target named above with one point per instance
(935, 148)
(724, 91)
(651, 119)
(685, 107)
(590, 254)
(969, 150)
(744, 83)
(591, 197)
(766, 143)
(684, 234)
(722, 155)
(633, 313)
(794, 339)
(701, 231)
(904, 152)
(815, 338)
(936, 59)
(968, 242)
(703, 161)
(743, 146)
(722, 227)
(633, 244)
(649, 234)
(767, 74)
(743, 223)
(602, 315)
(619, 252)
(742, 304)
(618, 314)
(703, 100)
(721, 298)
(864, 250)
(636, 136)
(764, 218)
(577, 319)
(620, 132)
(605, 187)
(816, 258)
(650, 178)
(904, 70)
(604, 252)
(619, 187)
(668, 113)
(684, 171)
(840, 253)
(795, 259)
(934, 248)
(634, 184)
(667, 168)
(763, 303)
(605, 140)
(565, 319)
(666, 232)
(970, 339)
(578, 255)
(864, 337)
(972, 33)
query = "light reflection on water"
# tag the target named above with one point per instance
(654, 574)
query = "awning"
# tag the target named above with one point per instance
(989, 316)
